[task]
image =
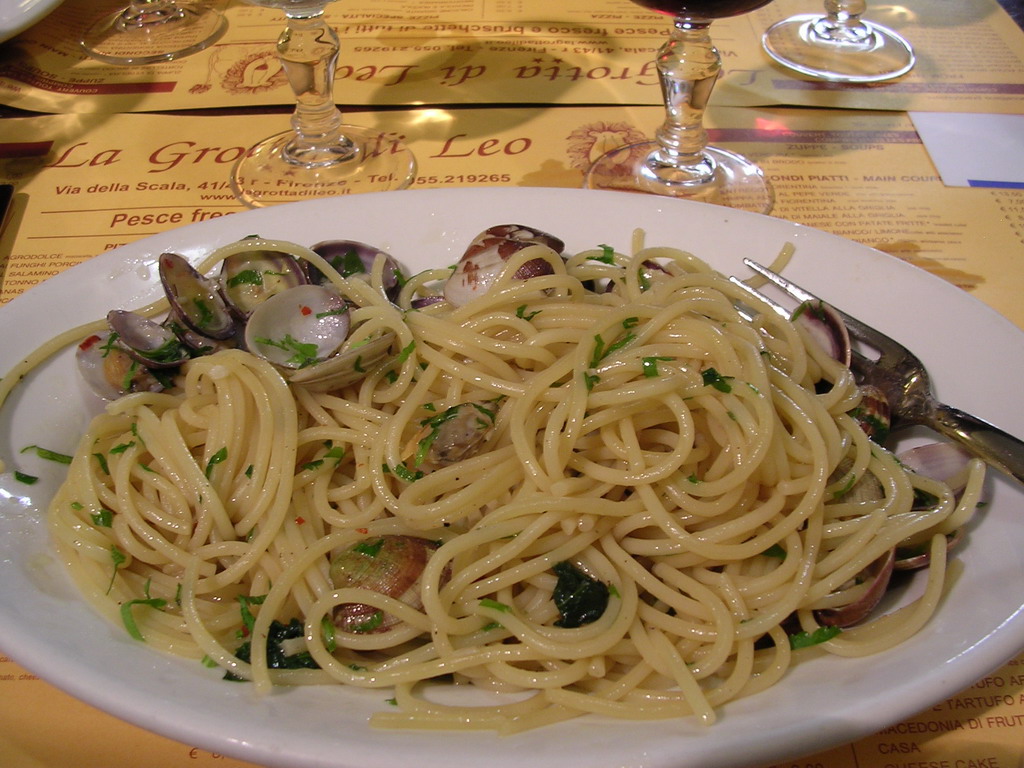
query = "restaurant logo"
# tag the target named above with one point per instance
(590, 141)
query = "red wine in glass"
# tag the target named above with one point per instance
(678, 162)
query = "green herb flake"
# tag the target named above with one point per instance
(649, 366)
(21, 477)
(713, 378)
(487, 602)
(807, 639)
(522, 313)
(327, 632)
(46, 453)
(248, 619)
(102, 462)
(406, 351)
(218, 458)
(118, 558)
(607, 255)
(372, 623)
(304, 353)
(369, 548)
(128, 617)
(590, 380)
(246, 277)
(775, 550)
(103, 519)
(122, 447)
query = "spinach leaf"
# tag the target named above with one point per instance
(579, 598)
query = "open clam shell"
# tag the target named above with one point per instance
(151, 343)
(195, 300)
(354, 259)
(299, 327)
(110, 371)
(253, 271)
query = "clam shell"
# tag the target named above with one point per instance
(195, 300)
(251, 276)
(485, 258)
(350, 365)
(152, 344)
(391, 565)
(298, 327)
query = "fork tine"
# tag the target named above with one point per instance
(887, 346)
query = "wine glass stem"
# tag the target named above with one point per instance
(688, 64)
(308, 50)
(842, 23)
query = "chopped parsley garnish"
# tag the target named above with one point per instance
(579, 598)
(103, 519)
(775, 550)
(369, 548)
(248, 619)
(403, 472)
(590, 380)
(46, 453)
(807, 639)
(607, 255)
(521, 312)
(406, 351)
(21, 477)
(118, 558)
(128, 618)
(102, 462)
(649, 365)
(713, 378)
(217, 458)
(372, 623)
(122, 447)
(246, 277)
(601, 351)
(487, 602)
(304, 353)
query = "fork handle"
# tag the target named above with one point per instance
(986, 441)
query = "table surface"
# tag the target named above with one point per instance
(849, 160)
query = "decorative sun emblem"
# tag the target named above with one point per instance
(589, 142)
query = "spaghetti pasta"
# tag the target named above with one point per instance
(635, 445)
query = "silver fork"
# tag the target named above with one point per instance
(905, 382)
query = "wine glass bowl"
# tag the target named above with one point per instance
(839, 46)
(678, 162)
(148, 31)
(319, 156)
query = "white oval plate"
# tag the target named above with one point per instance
(19, 15)
(976, 357)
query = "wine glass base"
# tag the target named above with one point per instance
(798, 44)
(736, 182)
(367, 161)
(144, 38)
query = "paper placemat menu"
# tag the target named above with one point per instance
(90, 183)
(452, 52)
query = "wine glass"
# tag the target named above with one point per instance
(678, 162)
(319, 156)
(145, 31)
(840, 46)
